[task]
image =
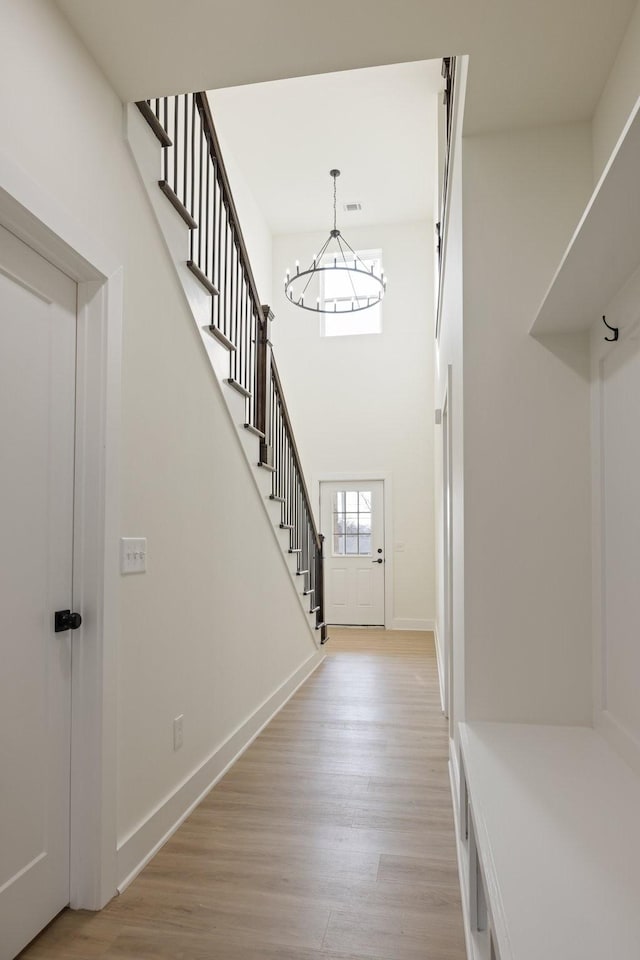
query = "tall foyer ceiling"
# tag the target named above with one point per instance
(532, 61)
(377, 125)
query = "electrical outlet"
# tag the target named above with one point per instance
(177, 732)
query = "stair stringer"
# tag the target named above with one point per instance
(145, 151)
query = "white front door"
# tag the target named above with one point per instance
(37, 425)
(352, 521)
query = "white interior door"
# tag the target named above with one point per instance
(352, 520)
(37, 425)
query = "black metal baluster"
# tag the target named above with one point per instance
(238, 282)
(175, 145)
(206, 215)
(215, 277)
(185, 141)
(251, 377)
(219, 283)
(272, 425)
(192, 239)
(280, 486)
(226, 272)
(166, 149)
(201, 150)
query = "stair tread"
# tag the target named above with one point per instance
(202, 278)
(287, 526)
(177, 203)
(238, 386)
(154, 123)
(250, 427)
(273, 497)
(266, 466)
(220, 337)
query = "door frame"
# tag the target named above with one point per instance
(358, 476)
(35, 216)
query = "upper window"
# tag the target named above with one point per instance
(339, 289)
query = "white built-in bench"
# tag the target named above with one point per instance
(549, 843)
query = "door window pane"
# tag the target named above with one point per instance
(364, 545)
(351, 523)
(364, 523)
(351, 500)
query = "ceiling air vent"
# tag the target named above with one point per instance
(352, 207)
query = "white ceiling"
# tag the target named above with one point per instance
(532, 61)
(377, 126)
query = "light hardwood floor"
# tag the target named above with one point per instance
(332, 837)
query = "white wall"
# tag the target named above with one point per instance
(619, 96)
(255, 229)
(362, 403)
(616, 561)
(614, 460)
(214, 627)
(526, 431)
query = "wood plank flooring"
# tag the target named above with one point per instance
(331, 838)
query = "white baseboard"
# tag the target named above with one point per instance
(403, 623)
(440, 666)
(142, 844)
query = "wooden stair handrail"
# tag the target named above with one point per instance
(294, 451)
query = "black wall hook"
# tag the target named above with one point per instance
(614, 330)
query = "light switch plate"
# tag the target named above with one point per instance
(133, 554)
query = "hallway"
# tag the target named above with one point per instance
(332, 836)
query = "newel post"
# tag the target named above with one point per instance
(263, 377)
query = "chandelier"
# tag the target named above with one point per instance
(337, 280)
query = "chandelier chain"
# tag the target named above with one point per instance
(335, 216)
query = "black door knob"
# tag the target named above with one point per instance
(379, 560)
(66, 620)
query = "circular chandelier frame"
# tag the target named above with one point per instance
(350, 268)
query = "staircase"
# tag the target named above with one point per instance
(189, 190)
